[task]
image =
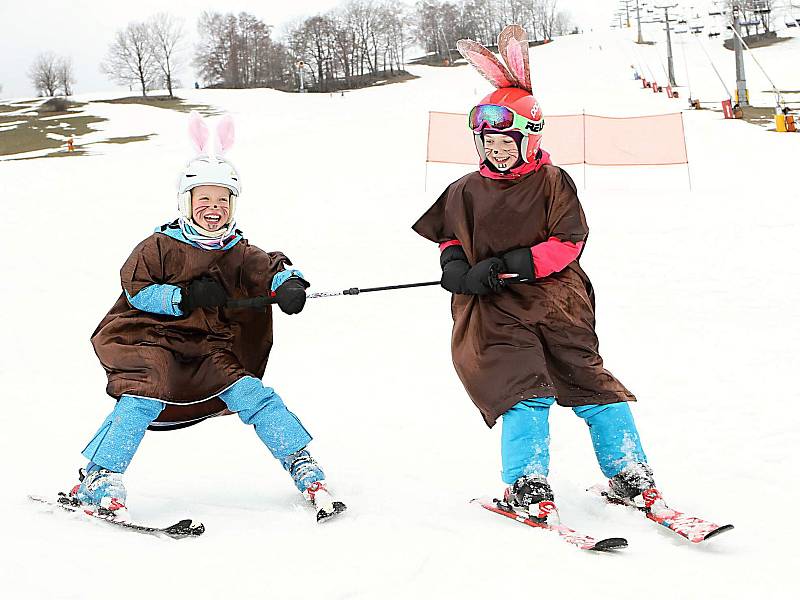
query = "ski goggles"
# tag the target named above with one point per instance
(494, 116)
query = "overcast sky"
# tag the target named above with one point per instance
(83, 30)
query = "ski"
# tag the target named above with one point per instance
(694, 529)
(320, 498)
(327, 513)
(182, 529)
(584, 542)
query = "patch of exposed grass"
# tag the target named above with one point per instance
(759, 115)
(31, 134)
(175, 103)
(58, 154)
(82, 150)
(127, 140)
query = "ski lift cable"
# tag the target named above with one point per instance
(645, 63)
(634, 55)
(713, 66)
(778, 97)
(686, 68)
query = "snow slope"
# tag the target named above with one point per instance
(696, 314)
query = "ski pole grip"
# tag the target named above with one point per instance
(351, 292)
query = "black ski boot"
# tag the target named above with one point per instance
(636, 486)
(533, 496)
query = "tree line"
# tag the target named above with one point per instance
(347, 47)
(439, 24)
(353, 45)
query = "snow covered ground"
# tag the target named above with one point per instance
(697, 314)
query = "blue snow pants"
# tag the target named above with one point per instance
(525, 438)
(115, 443)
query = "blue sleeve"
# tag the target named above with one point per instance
(282, 276)
(159, 298)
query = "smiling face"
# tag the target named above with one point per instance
(211, 206)
(501, 150)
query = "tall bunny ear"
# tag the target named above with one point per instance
(486, 64)
(225, 135)
(198, 132)
(513, 46)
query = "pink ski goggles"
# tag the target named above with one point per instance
(494, 116)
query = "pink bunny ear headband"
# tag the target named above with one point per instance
(205, 169)
(513, 46)
(199, 134)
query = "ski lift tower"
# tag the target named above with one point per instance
(626, 4)
(741, 81)
(670, 65)
(639, 39)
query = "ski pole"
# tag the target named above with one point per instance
(263, 301)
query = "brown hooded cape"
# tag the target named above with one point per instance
(186, 361)
(531, 340)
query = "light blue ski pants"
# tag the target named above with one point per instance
(115, 443)
(525, 438)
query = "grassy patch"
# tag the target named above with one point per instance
(35, 121)
(57, 154)
(126, 140)
(178, 104)
(758, 115)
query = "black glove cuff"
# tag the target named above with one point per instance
(302, 282)
(451, 253)
(520, 261)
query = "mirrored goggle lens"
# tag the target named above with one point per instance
(492, 116)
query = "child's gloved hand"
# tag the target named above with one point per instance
(291, 295)
(454, 265)
(484, 277)
(204, 292)
(519, 261)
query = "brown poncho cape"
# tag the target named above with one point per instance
(186, 361)
(530, 340)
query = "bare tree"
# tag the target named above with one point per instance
(44, 74)
(167, 35)
(131, 57)
(239, 51)
(65, 75)
(547, 17)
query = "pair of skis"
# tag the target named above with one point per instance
(694, 529)
(185, 528)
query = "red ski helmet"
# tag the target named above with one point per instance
(524, 104)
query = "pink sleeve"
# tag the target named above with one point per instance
(444, 245)
(554, 255)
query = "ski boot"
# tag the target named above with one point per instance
(100, 491)
(310, 479)
(532, 497)
(635, 486)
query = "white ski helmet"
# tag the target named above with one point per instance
(208, 169)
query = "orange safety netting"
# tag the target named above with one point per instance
(575, 139)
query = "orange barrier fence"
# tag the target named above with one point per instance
(575, 139)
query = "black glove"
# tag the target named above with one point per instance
(291, 295)
(484, 278)
(454, 265)
(205, 292)
(519, 261)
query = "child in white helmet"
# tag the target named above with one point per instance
(175, 354)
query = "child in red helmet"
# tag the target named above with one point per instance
(518, 349)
